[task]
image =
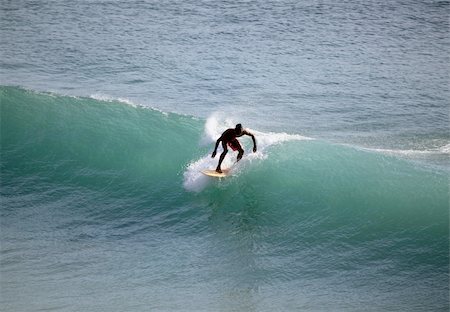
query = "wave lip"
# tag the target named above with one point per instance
(411, 152)
(108, 98)
(438, 158)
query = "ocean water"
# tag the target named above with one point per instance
(110, 109)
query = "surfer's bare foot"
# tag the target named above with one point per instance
(218, 170)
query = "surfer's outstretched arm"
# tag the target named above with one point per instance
(253, 138)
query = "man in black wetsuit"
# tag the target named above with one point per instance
(228, 137)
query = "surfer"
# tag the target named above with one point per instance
(228, 137)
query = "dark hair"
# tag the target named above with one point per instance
(238, 126)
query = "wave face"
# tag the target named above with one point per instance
(85, 180)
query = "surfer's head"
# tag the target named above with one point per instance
(238, 128)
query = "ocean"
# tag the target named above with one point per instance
(109, 110)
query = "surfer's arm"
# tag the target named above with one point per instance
(215, 147)
(253, 138)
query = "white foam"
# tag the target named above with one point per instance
(194, 180)
(107, 98)
(439, 156)
(411, 152)
(445, 149)
(271, 138)
(214, 127)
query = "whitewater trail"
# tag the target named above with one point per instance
(195, 181)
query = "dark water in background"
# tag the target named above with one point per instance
(103, 207)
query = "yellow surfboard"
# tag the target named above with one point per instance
(213, 173)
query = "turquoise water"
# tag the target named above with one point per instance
(101, 209)
(110, 109)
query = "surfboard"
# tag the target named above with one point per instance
(213, 173)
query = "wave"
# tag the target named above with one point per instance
(141, 154)
(59, 137)
(109, 170)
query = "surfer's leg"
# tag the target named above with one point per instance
(239, 156)
(222, 157)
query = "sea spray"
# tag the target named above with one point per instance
(195, 181)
